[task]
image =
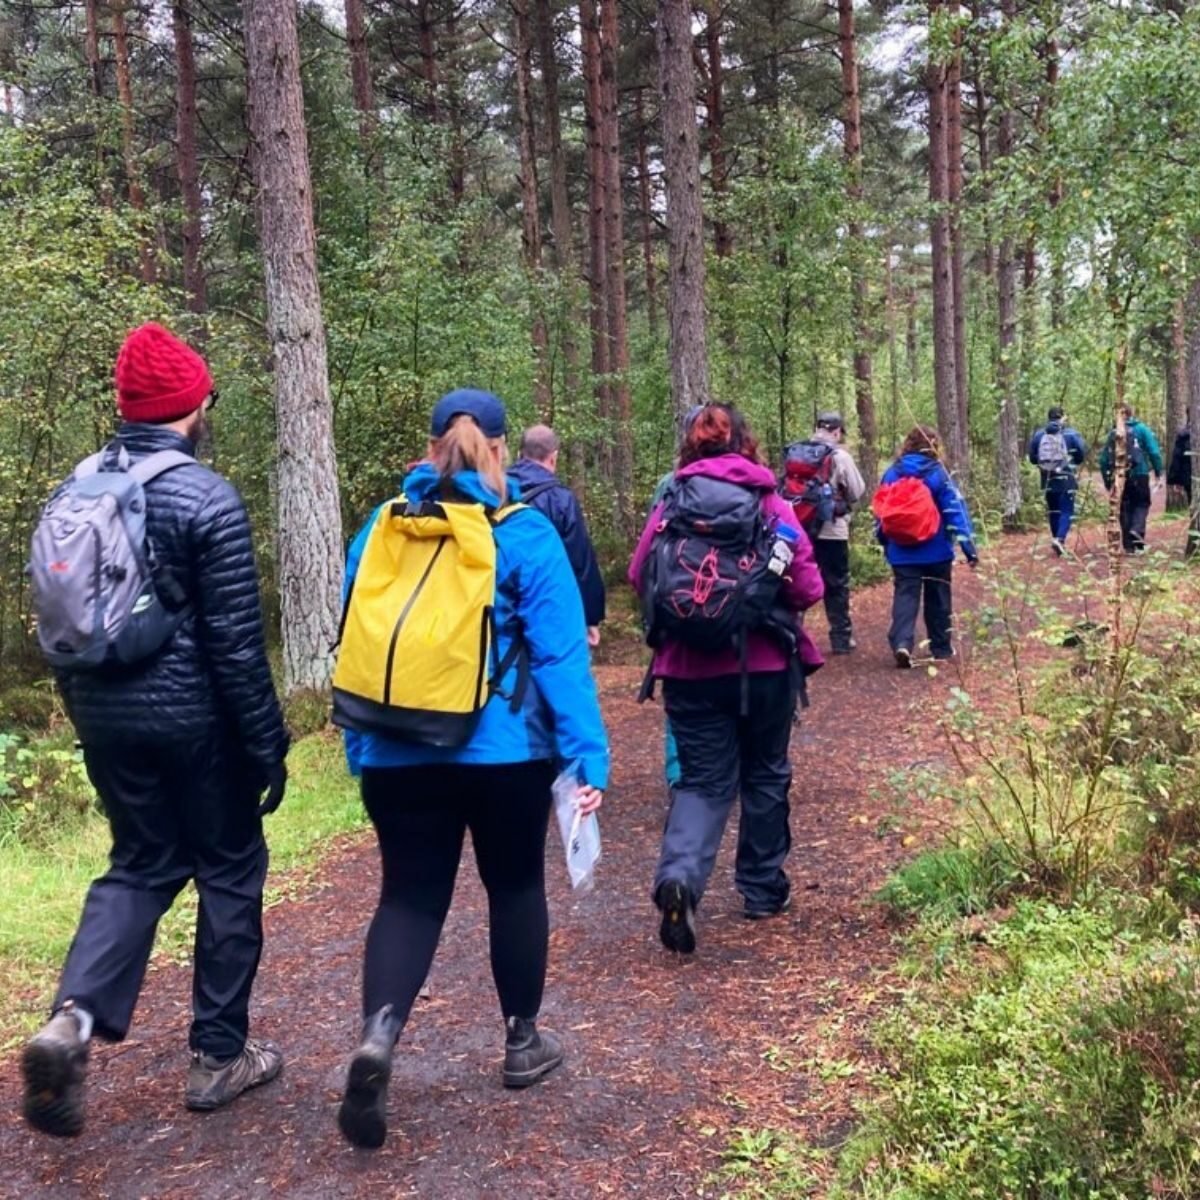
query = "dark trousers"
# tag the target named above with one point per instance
(833, 559)
(930, 582)
(1135, 510)
(177, 812)
(421, 815)
(720, 752)
(1060, 509)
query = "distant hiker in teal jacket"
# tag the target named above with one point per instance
(1142, 454)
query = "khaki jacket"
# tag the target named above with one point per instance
(847, 484)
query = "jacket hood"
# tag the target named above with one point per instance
(917, 464)
(732, 468)
(527, 473)
(1054, 427)
(423, 481)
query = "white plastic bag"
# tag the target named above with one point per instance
(580, 834)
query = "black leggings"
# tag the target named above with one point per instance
(420, 815)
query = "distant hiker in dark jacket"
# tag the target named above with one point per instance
(1057, 451)
(1142, 454)
(180, 748)
(1179, 473)
(540, 487)
(925, 568)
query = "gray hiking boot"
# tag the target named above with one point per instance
(55, 1065)
(362, 1117)
(528, 1055)
(212, 1083)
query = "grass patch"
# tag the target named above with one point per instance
(42, 884)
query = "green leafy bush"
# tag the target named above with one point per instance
(43, 787)
(29, 706)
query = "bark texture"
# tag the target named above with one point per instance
(647, 215)
(687, 344)
(361, 83)
(864, 400)
(309, 518)
(954, 190)
(187, 165)
(133, 171)
(1008, 447)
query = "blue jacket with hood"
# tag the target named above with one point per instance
(535, 592)
(956, 521)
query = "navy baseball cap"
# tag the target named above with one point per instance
(486, 410)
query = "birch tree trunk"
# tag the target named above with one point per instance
(864, 401)
(686, 338)
(309, 516)
(531, 227)
(194, 281)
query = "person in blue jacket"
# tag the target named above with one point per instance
(422, 799)
(1057, 451)
(536, 474)
(925, 569)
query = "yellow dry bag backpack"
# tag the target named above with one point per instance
(418, 656)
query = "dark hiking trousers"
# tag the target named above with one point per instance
(833, 559)
(720, 752)
(421, 814)
(1060, 507)
(1135, 510)
(931, 582)
(177, 812)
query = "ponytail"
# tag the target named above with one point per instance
(464, 447)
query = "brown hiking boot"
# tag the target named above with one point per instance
(55, 1065)
(212, 1083)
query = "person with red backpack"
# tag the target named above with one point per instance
(920, 517)
(723, 571)
(823, 484)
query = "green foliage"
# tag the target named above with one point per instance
(44, 789)
(1051, 1057)
(767, 1164)
(31, 707)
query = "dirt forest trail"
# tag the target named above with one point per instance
(665, 1058)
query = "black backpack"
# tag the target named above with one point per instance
(708, 579)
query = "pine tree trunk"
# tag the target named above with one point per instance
(1057, 275)
(852, 122)
(361, 84)
(194, 281)
(560, 200)
(133, 173)
(1009, 432)
(944, 368)
(427, 45)
(91, 47)
(687, 343)
(1191, 310)
(531, 228)
(454, 85)
(589, 29)
(614, 251)
(954, 177)
(309, 517)
(647, 215)
(715, 126)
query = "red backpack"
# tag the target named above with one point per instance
(806, 486)
(906, 511)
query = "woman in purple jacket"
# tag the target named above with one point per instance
(726, 745)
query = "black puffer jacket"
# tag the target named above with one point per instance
(212, 676)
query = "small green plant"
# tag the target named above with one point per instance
(768, 1164)
(43, 787)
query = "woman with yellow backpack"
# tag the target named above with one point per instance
(463, 683)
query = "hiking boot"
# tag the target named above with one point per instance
(528, 1055)
(213, 1083)
(844, 647)
(903, 657)
(678, 929)
(362, 1117)
(55, 1065)
(1058, 548)
(754, 913)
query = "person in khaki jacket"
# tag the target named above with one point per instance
(832, 543)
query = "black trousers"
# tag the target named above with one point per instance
(721, 753)
(833, 559)
(931, 583)
(420, 815)
(1135, 510)
(177, 812)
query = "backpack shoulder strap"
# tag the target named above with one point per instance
(500, 515)
(539, 489)
(154, 465)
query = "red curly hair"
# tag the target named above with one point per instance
(717, 429)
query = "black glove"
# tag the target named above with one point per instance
(276, 785)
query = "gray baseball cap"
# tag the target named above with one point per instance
(830, 420)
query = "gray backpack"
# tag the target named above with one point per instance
(1052, 456)
(98, 595)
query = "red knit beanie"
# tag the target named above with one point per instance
(158, 377)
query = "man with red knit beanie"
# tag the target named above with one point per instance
(186, 751)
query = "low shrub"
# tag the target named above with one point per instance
(306, 711)
(28, 706)
(43, 787)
